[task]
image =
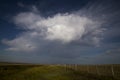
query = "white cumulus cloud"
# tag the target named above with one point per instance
(63, 28)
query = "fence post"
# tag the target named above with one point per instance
(88, 68)
(75, 66)
(97, 70)
(112, 70)
(65, 67)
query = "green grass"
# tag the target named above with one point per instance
(50, 72)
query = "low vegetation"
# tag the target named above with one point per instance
(57, 72)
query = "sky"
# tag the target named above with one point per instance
(60, 31)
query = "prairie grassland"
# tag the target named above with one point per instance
(59, 72)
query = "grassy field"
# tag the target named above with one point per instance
(57, 72)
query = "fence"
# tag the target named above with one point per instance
(105, 70)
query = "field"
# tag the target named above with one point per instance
(59, 72)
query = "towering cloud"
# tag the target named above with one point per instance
(64, 28)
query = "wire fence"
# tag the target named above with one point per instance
(105, 70)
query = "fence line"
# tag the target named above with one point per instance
(94, 69)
